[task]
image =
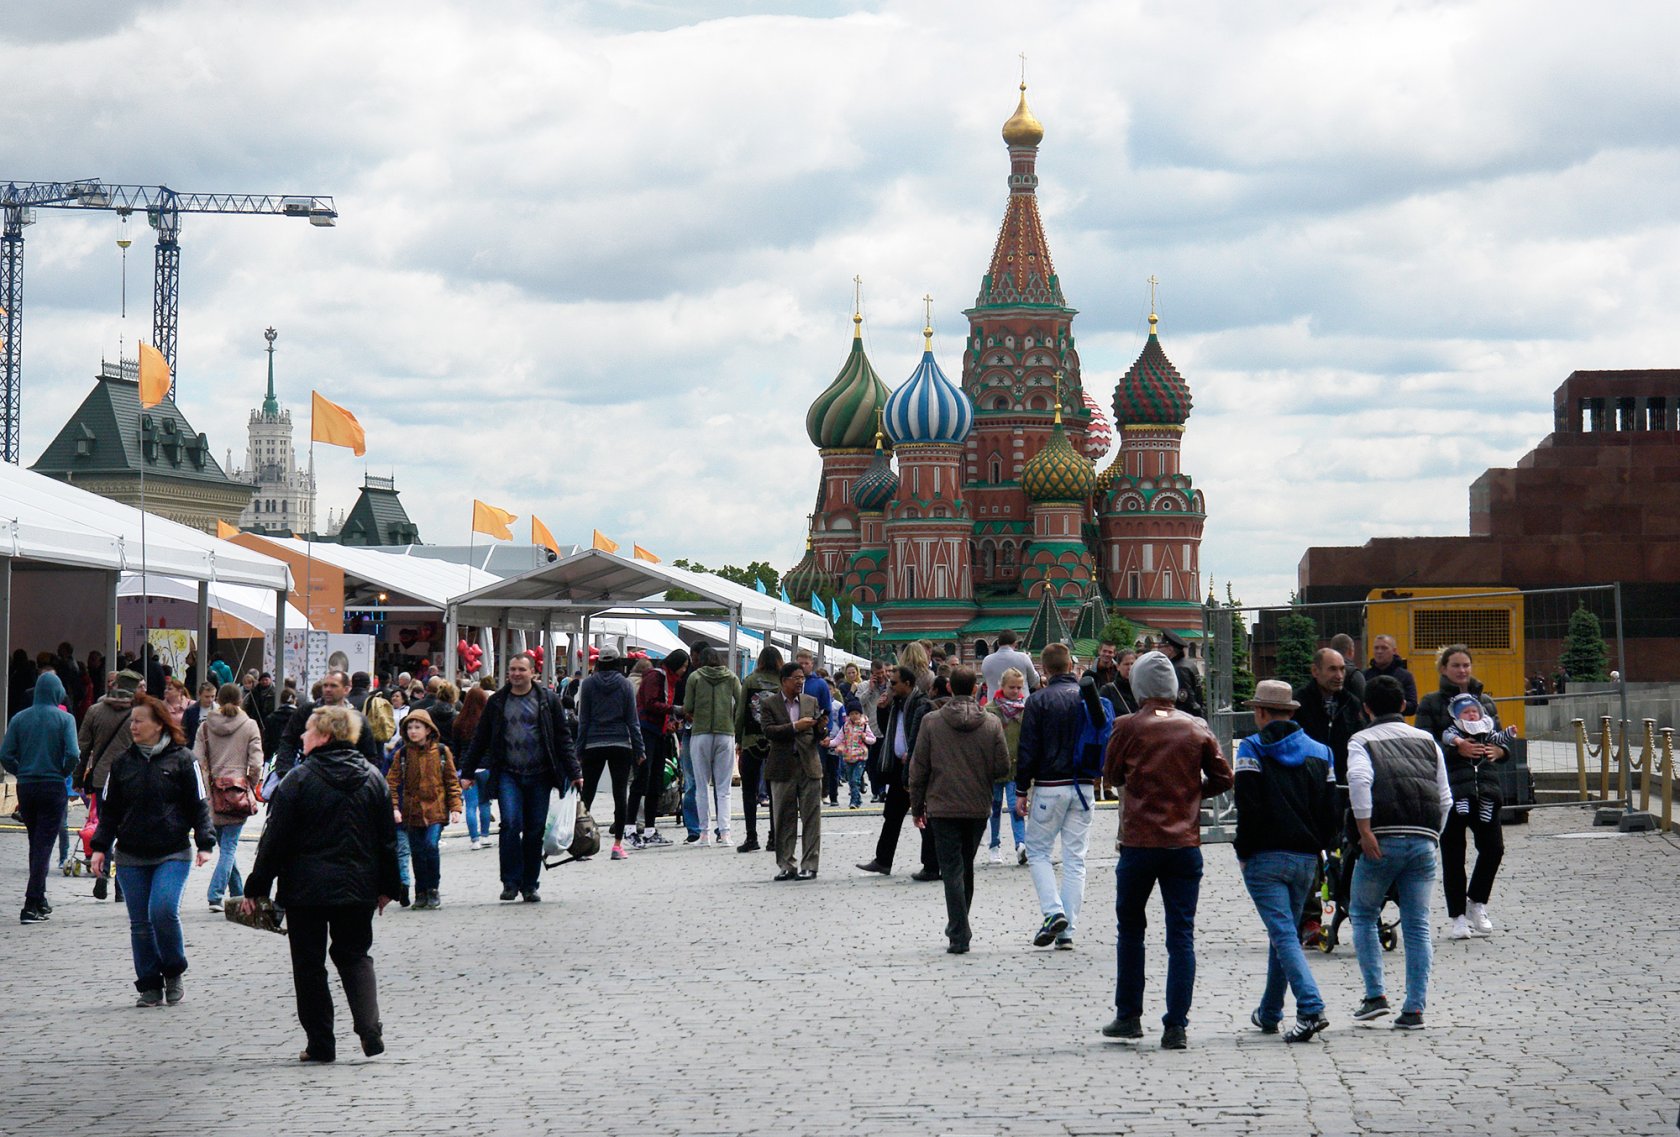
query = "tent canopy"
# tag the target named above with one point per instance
(425, 581)
(255, 606)
(43, 519)
(593, 582)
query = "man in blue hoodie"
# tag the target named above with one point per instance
(40, 748)
(1286, 813)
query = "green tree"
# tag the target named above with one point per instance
(1119, 631)
(750, 576)
(1242, 673)
(1297, 642)
(1585, 654)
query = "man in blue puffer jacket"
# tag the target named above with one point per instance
(40, 748)
(1286, 813)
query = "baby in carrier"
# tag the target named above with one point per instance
(1470, 721)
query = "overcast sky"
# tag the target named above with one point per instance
(595, 260)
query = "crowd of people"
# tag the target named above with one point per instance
(361, 777)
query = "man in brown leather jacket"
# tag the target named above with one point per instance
(1167, 761)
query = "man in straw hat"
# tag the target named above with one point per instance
(1286, 813)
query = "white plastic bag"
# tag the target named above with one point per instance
(562, 822)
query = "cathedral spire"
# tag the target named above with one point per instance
(271, 405)
(1021, 273)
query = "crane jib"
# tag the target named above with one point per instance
(163, 207)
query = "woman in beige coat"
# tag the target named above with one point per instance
(230, 754)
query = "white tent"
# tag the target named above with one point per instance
(575, 593)
(421, 579)
(63, 552)
(43, 519)
(252, 605)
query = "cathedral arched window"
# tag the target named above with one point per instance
(997, 469)
(988, 559)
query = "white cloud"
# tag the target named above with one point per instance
(595, 259)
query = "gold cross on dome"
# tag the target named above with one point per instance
(857, 295)
(1153, 283)
(1023, 69)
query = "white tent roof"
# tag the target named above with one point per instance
(593, 580)
(425, 580)
(253, 605)
(650, 634)
(43, 519)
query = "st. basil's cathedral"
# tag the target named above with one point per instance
(996, 516)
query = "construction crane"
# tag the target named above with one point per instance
(163, 208)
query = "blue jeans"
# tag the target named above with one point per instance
(1279, 883)
(423, 847)
(1179, 873)
(405, 857)
(853, 772)
(477, 807)
(153, 896)
(224, 878)
(1409, 865)
(524, 803)
(1003, 798)
(691, 804)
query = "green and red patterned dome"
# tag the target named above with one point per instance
(844, 415)
(1058, 472)
(1152, 393)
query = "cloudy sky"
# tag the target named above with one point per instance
(595, 259)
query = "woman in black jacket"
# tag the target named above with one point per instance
(153, 796)
(331, 841)
(1475, 790)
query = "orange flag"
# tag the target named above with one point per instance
(541, 536)
(642, 554)
(154, 376)
(224, 530)
(332, 424)
(492, 521)
(603, 544)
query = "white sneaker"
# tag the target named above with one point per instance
(724, 840)
(1478, 917)
(702, 841)
(997, 855)
(1461, 929)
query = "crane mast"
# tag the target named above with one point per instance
(163, 208)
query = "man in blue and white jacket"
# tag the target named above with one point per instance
(1286, 812)
(1398, 788)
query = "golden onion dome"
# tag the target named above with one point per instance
(1023, 129)
(1059, 472)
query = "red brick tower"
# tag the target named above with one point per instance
(1020, 336)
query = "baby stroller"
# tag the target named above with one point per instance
(1340, 869)
(81, 857)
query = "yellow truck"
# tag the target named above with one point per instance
(1487, 620)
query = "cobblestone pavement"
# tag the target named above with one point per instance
(681, 992)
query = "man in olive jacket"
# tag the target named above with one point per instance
(792, 723)
(960, 754)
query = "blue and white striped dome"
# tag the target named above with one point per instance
(929, 407)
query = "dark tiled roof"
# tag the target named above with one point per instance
(378, 518)
(103, 436)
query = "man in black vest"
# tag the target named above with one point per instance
(1397, 782)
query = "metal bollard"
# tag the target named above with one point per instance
(1645, 768)
(1668, 780)
(1581, 756)
(1606, 744)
